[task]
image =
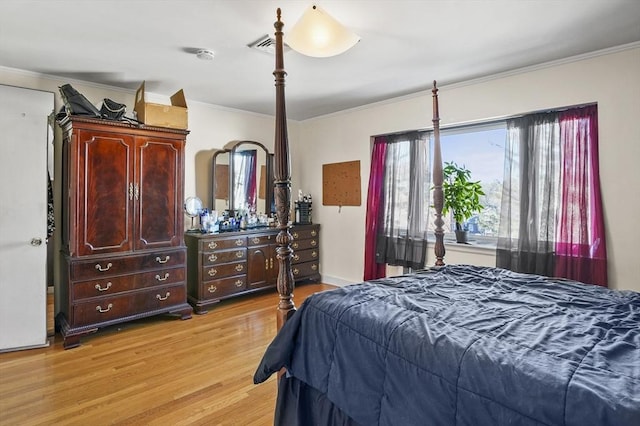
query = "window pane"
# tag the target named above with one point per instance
(480, 148)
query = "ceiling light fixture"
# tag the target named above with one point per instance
(319, 35)
(205, 54)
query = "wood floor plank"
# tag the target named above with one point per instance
(155, 371)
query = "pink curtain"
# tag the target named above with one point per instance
(580, 252)
(373, 270)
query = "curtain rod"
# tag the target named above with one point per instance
(487, 121)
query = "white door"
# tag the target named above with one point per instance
(23, 217)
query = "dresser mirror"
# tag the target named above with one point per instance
(193, 208)
(243, 178)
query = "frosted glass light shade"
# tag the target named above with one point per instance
(319, 35)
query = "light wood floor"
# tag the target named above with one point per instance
(156, 371)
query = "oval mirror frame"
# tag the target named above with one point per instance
(263, 178)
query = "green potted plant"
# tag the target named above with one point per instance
(461, 197)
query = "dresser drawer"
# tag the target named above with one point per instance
(118, 284)
(224, 287)
(304, 244)
(225, 256)
(111, 308)
(222, 243)
(225, 270)
(302, 234)
(103, 267)
(261, 240)
(305, 269)
(302, 256)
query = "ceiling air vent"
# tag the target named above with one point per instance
(267, 44)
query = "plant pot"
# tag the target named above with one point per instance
(462, 237)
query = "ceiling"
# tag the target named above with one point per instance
(405, 45)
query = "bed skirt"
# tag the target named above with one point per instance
(299, 404)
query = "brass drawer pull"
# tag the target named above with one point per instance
(213, 258)
(314, 233)
(239, 254)
(239, 283)
(314, 254)
(295, 235)
(314, 243)
(239, 268)
(213, 245)
(296, 271)
(255, 240)
(101, 269)
(314, 267)
(266, 264)
(294, 245)
(296, 257)
(99, 308)
(271, 262)
(107, 287)
(166, 296)
(166, 259)
(239, 242)
(159, 278)
(212, 288)
(212, 272)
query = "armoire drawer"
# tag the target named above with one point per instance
(111, 308)
(112, 285)
(221, 288)
(110, 266)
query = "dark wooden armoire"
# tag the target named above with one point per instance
(123, 252)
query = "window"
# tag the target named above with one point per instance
(549, 221)
(480, 148)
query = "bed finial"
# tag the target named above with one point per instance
(282, 187)
(438, 179)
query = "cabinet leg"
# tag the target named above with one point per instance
(184, 313)
(71, 342)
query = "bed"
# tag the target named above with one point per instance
(449, 345)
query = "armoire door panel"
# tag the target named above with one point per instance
(159, 204)
(103, 200)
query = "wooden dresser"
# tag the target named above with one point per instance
(122, 225)
(230, 264)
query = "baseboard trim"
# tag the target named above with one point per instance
(327, 279)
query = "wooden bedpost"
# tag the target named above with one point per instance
(438, 178)
(282, 187)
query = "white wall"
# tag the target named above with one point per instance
(612, 80)
(210, 126)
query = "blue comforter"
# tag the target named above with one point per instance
(465, 345)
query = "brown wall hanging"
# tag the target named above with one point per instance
(341, 184)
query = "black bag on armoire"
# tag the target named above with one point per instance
(112, 110)
(76, 104)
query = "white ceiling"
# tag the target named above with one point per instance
(405, 45)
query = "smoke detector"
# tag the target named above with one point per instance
(205, 54)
